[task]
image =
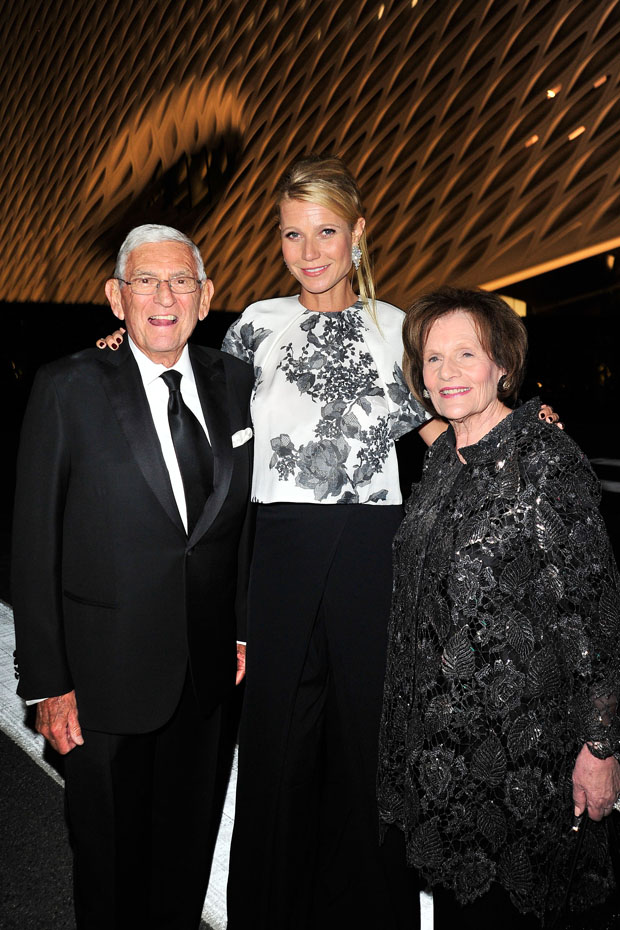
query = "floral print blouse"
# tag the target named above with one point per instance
(329, 401)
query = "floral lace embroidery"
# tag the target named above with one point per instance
(503, 659)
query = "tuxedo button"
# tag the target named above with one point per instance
(190, 552)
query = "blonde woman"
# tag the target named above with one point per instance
(329, 404)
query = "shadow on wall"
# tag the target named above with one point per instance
(183, 195)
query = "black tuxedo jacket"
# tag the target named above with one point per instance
(110, 596)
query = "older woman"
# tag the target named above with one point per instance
(503, 666)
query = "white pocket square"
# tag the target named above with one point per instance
(241, 436)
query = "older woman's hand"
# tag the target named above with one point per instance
(596, 784)
(112, 341)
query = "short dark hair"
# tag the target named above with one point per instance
(500, 330)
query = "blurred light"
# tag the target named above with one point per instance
(610, 261)
(531, 141)
(381, 11)
(519, 306)
(554, 91)
(414, 3)
(539, 384)
(600, 81)
(576, 132)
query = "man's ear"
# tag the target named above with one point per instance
(113, 293)
(206, 295)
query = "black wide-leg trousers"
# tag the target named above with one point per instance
(142, 823)
(305, 851)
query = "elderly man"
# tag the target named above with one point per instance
(130, 529)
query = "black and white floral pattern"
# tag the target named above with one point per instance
(330, 417)
(335, 371)
(242, 342)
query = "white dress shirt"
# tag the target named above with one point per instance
(157, 395)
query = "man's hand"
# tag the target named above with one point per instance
(596, 784)
(240, 662)
(57, 721)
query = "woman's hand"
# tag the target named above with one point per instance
(548, 413)
(596, 784)
(114, 341)
(431, 430)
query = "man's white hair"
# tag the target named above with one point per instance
(153, 232)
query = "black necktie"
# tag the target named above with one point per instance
(192, 450)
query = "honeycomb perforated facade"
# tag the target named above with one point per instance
(484, 133)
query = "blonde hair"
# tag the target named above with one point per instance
(326, 180)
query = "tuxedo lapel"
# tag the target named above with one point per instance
(124, 388)
(211, 384)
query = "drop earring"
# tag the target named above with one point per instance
(425, 394)
(356, 255)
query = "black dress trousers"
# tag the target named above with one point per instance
(141, 811)
(305, 851)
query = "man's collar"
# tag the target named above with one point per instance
(150, 370)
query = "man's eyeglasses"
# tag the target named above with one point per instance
(145, 284)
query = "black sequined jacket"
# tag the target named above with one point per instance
(503, 660)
